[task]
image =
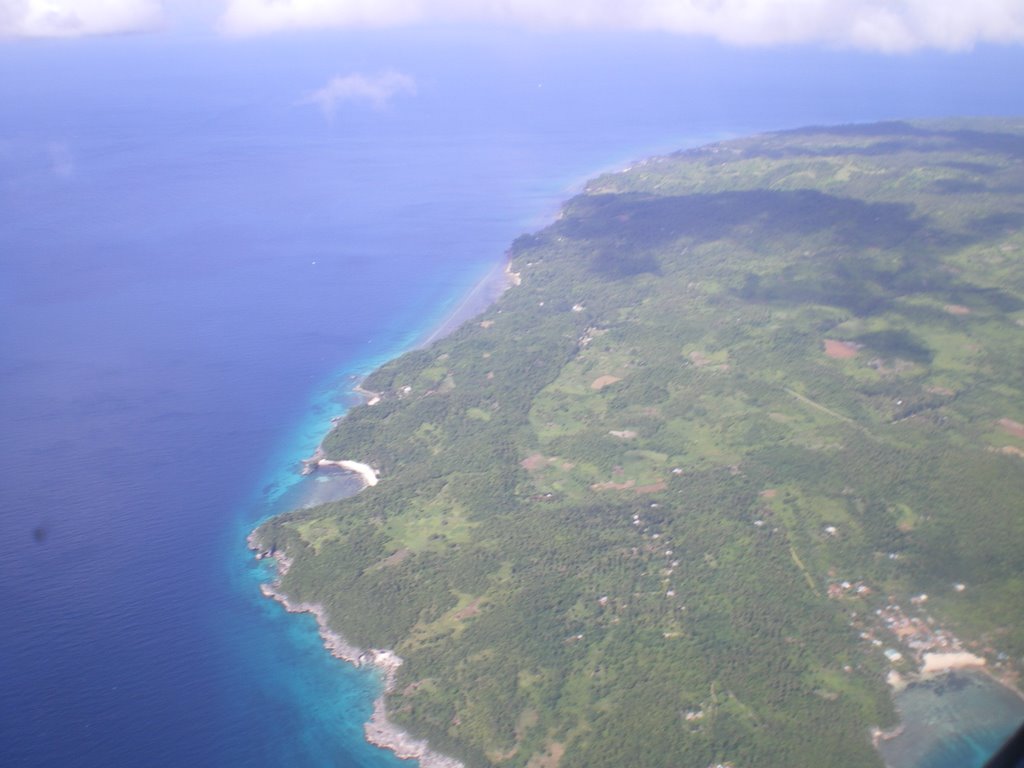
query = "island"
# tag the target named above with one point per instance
(740, 450)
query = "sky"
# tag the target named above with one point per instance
(880, 26)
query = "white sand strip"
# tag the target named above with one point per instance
(365, 471)
(943, 662)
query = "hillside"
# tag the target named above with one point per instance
(643, 511)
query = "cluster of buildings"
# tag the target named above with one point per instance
(918, 634)
(837, 589)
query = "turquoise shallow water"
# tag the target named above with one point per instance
(195, 269)
(953, 721)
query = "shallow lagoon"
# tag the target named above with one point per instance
(956, 720)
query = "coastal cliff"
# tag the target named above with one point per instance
(379, 730)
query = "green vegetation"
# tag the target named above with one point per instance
(611, 508)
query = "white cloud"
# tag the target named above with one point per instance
(77, 18)
(878, 25)
(376, 90)
(246, 17)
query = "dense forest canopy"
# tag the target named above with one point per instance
(645, 509)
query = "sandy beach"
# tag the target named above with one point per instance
(480, 297)
(318, 460)
(365, 471)
(937, 663)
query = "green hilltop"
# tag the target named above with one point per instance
(644, 509)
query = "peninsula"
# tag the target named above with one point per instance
(742, 443)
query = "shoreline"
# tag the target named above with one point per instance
(378, 730)
(976, 665)
(484, 292)
(933, 667)
(367, 474)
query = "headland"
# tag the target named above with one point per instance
(650, 457)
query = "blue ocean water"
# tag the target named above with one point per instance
(957, 719)
(194, 266)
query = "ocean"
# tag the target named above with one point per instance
(959, 718)
(196, 264)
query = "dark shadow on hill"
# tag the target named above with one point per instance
(897, 343)
(957, 187)
(969, 167)
(885, 128)
(901, 137)
(997, 224)
(855, 255)
(979, 298)
(626, 230)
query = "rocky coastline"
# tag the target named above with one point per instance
(379, 729)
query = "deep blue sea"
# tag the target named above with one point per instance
(194, 266)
